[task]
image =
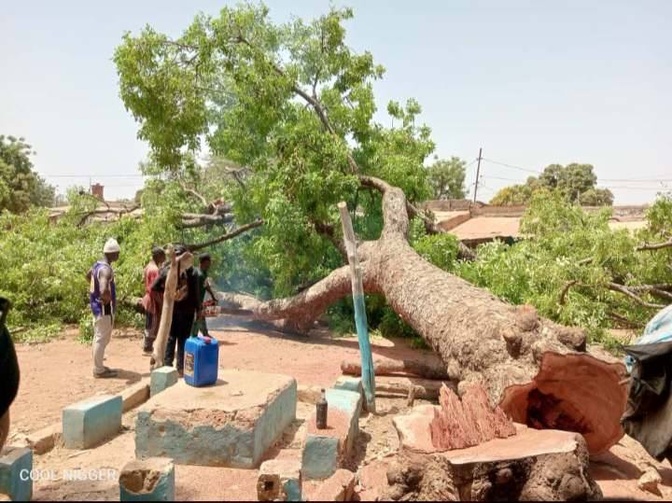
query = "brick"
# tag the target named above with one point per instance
(151, 479)
(279, 480)
(90, 422)
(16, 464)
(135, 395)
(339, 487)
(320, 457)
(161, 379)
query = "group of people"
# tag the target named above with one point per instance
(188, 318)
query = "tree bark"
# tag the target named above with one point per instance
(536, 370)
(414, 387)
(390, 367)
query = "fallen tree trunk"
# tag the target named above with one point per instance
(390, 367)
(536, 370)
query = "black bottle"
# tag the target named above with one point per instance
(321, 409)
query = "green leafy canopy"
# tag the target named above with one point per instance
(291, 102)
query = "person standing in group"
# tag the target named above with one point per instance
(187, 304)
(9, 373)
(103, 302)
(203, 287)
(152, 302)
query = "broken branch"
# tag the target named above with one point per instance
(229, 235)
(655, 246)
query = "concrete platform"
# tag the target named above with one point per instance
(231, 424)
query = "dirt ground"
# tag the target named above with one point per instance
(58, 373)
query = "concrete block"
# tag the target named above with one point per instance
(232, 423)
(320, 456)
(151, 479)
(349, 383)
(339, 487)
(279, 480)
(90, 422)
(161, 379)
(325, 450)
(349, 402)
(135, 395)
(15, 467)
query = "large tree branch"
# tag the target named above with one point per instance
(304, 308)
(191, 221)
(655, 246)
(229, 235)
(397, 210)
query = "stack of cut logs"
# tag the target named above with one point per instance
(410, 378)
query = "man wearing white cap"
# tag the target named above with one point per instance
(103, 300)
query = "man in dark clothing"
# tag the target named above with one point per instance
(9, 373)
(187, 305)
(204, 262)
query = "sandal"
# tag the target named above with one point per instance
(107, 373)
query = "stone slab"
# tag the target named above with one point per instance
(231, 423)
(279, 480)
(161, 379)
(15, 467)
(151, 479)
(92, 421)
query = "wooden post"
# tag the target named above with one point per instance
(368, 380)
(176, 265)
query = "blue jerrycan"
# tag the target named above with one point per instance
(201, 361)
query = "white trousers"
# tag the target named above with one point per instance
(102, 333)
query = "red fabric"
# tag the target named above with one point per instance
(152, 300)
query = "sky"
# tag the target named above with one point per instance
(531, 82)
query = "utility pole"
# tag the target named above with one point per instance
(478, 171)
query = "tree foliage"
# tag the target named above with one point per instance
(20, 185)
(286, 112)
(446, 177)
(577, 183)
(294, 105)
(576, 270)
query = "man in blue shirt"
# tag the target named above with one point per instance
(103, 302)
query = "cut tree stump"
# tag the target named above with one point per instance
(390, 367)
(542, 465)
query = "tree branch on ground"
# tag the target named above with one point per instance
(655, 246)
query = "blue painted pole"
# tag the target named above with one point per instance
(368, 377)
(368, 380)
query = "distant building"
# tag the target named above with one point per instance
(97, 191)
